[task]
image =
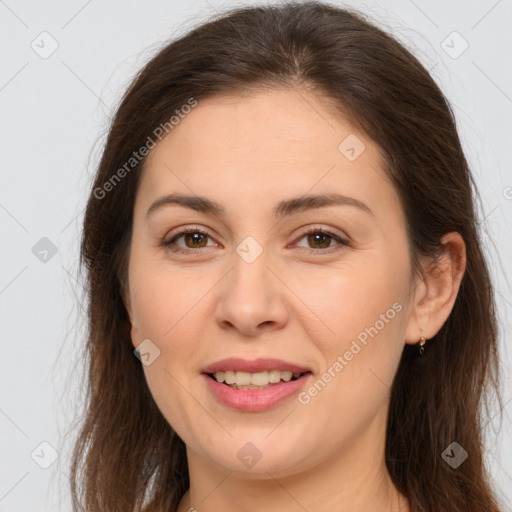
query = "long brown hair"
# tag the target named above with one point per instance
(127, 457)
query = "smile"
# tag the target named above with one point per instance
(254, 398)
(259, 380)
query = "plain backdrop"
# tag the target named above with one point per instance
(64, 66)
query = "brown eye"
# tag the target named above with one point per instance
(320, 238)
(193, 238)
(320, 241)
(196, 239)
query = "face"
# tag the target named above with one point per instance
(323, 288)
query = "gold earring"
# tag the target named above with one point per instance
(421, 343)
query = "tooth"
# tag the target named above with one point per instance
(229, 377)
(259, 379)
(242, 378)
(274, 376)
(286, 376)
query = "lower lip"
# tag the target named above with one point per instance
(255, 400)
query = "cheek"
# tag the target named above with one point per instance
(164, 298)
(164, 310)
(165, 307)
(356, 302)
(360, 336)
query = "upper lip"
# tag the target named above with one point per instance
(254, 366)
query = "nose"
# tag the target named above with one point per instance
(252, 298)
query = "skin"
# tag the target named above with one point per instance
(248, 152)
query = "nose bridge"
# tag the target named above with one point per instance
(251, 295)
(251, 271)
(250, 280)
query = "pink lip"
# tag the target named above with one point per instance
(254, 400)
(255, 366)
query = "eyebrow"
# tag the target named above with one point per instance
(282, 209)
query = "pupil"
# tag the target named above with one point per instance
(320, 236)
(194, 237)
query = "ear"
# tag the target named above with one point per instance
(436, 290)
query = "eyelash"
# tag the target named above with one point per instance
(314, 230)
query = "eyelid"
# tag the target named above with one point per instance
(185, 229)
(323, 229)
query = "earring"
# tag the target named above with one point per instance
(421, 343)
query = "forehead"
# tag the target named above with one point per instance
(251, 147)
(282, 124)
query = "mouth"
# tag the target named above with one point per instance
(259, 380)
(255, 392)
(254, 385)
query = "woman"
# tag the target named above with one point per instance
(282, 230)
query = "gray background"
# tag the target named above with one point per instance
(55, 110)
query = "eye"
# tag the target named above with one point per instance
(194, 238)
(323, 238)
